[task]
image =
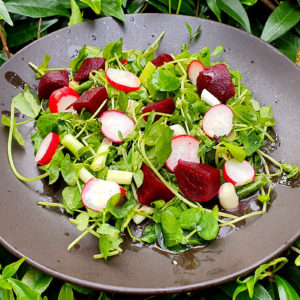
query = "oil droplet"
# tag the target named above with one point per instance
(131, 19)
(94, 37)
(15, 79)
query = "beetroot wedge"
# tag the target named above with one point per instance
(51, 81)
(197, 182)
(164, 106)
(161, 59)
(217, 80)
(152, 188)
(89, 64)
(91, 101)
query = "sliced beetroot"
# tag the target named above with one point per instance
(52, 81)
(166, 106)
(161, 59)
(89, 64)
(197, 182)
(91, 100)
(217, 80)
(152, 188)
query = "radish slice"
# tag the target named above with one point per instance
(177, 130)
(194, 68)
(96, 193)
(122, 80)
(238, 173)
(184, 147)
(218, 121)
(209, 98)
(47, 149)
(228, 197)
(61, 99)
(114, 121)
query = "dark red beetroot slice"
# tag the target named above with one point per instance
(161, 59)
(51, 81)
(164, 106)
(152, 188)
(217, 80)
(89, 64)
(91, 101)
(197, 182)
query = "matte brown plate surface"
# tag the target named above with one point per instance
(43, 234)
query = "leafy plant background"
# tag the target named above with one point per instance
(276, 22)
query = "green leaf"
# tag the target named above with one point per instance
(23, 291)
(164, 81)
(235, 9)
(3, 57)
(135, 6)
(117, 208)
(113, 8)
(28, 103)
(281, 20)
(212, 4)
(288, 44)
(16, 134)
(297, 261)
(71, 198)
(113, 48)
(285, 290)
(36, 280)
(95, 5)
(42, 68)
(190, 218)
(83, 221)
(68, 170)
(163, 146)
(104, 246)
(260, 293)
(249, 2)
(217, 50)
(209, 226)
(4, 14)
(36, 9)
(76, 62)
(236, 151)
(251, 141)
(266, 115)
(80, 289)
(138, 177)
(149, 234)
(76, 16)
(4, 285)
(11, 269)
(25, 31)
(65, 293)
(47, 123)
(123, 101)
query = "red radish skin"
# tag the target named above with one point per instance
(193, 70)
(96, 193)
(184, 147)
(217, 80)
(88, 65)
(218, 121)
(114, 121)
(197, 182)
(124, 61)
(52, 81)
(166, 106)
(61, 99)
(152, 188)
(122, 80)
(161, 59)
(91, 100)
(47, 149)
(238, 173)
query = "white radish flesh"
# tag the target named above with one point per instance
(113, 122)
(184, 147)
(228, 197)
(209, 98)
(47, 149)
(218, 121)
(194, 68)
(238, 173)
(177, 130)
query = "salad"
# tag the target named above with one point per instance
(170, 144)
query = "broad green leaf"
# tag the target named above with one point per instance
(43, 66)
(117, 208)
(47, 123)
(236, 151)
(104, 246)
(16, 134)
(209, 226)
(76, 16)
(65, 293)
(23, 291)
(260, 293)
(123, 101)
(164, 81)
(113, 8)
(249, 2)
(217, 50)
(3, 57)
(4, 14)
(190, 218)
(297, 261)
(149, 235)
(285, 290)
(71, 198)
(68, 171)
(187, 7)
(25, 31)
(83, 221)
(281, 20)
(4, 285)
(113, 48)
(163, 146)
(36, 9)
(80, 289)
(158, 6)
(95, 5)
(212, 4)
(235, 9)
(36, 280)
(135, 6)
(76, 62)
(11, 269)
(288, 44)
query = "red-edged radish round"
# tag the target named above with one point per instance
(228, 197)
(114, 121)
(61, 99)
(122, 80)
(47, 149)
(184, 147)
(194, 68)
(218, 121)
(209, 98)
(96, 193)
(238, 173)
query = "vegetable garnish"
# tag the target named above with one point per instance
(149, 141)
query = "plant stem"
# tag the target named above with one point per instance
(3, 40)
(80, 237)
(39, 30)
(178, 7)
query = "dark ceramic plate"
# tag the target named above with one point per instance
(43, 234)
